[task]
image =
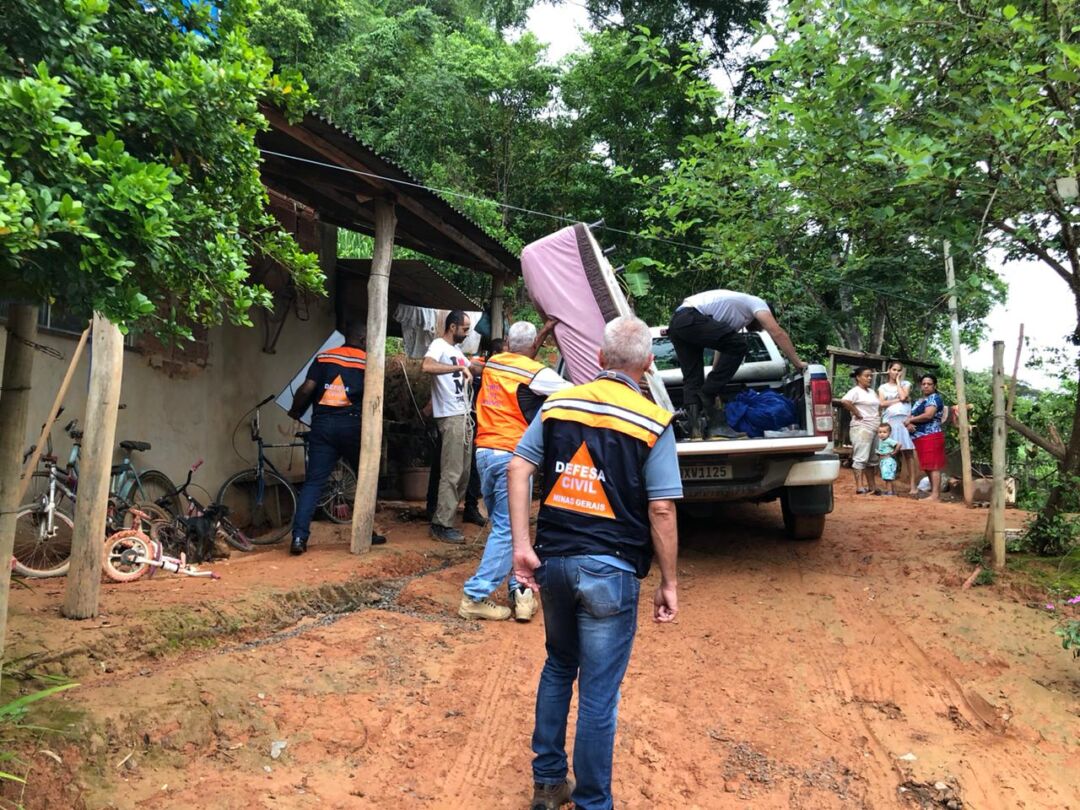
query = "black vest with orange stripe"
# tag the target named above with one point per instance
(501, 412)
(597, 438)
(339, 380)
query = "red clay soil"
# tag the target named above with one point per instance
(849, 672)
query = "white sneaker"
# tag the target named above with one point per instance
(524, 604)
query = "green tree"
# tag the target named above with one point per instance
(972, 107)
(129, 180)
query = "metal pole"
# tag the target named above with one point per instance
(958, 370)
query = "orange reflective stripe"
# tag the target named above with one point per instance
(346, 356)
(609, 405)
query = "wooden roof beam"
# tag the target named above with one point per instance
(488, 261)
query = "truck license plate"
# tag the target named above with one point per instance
(707, 472)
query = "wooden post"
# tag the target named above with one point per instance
(106, 371)
(997, 500)
(498, 284)
(958, 369)
(1016, 371)
(31, 463)
(14, 408)
(367, 474)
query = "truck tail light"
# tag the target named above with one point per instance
(821, 396)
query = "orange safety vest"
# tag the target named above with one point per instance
(499, 420)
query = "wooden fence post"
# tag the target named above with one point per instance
(498, 285)
(87, 542)
(958, 369)
(997, 500)
(14, 408)
(367, 474)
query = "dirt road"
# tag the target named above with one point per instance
(850, 672)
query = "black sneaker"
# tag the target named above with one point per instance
(446, 534)
(299, 545)
(378, 539)
(474, 516)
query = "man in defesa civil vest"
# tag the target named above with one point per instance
(335, 389)
(512, 388)
(611, 478)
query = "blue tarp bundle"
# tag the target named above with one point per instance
(754, 412)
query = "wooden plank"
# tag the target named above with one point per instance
(83, 585)
(1057, 451)
(844, 355)
(958, 372)
(498, 284)
(367, 474)
(31, 463)
(997, 499)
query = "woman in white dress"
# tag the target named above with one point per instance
(895, 397)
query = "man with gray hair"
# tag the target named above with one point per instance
(611, 478)
(512, 388)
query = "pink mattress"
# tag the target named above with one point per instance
(562, 274)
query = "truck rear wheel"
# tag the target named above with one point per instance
(801, 527)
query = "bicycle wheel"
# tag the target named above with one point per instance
(39, 553)
(156, 487)
(263, 516)
(337, 499)
(233, 536)
(153, 514)
(170, 536)
(122, 550)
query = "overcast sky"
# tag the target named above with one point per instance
(1038, 298)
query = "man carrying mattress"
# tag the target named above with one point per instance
(512, 389)
(715, 320)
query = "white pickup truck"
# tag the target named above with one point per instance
(571, 281)
(799, 468)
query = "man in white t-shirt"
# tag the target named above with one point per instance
(451, 400)
(716, 320)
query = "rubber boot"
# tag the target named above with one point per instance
(693, 411)
(718, 426)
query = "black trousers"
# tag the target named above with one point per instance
(472, 491)
(691, 333)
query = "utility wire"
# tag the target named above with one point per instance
(559, 218)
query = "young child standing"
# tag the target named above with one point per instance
(886, 449)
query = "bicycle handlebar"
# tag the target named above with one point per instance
(268, 399)
(196, 465)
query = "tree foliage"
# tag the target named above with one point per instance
(129, 179)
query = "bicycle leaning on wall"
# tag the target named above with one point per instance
(262, 502)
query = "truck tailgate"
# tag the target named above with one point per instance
(737, 447)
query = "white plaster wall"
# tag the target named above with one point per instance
(185, 419)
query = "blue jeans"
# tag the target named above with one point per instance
(332, 437)
(498, 557)
(590, 617)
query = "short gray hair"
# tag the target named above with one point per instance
(627, 343)
(521, 337)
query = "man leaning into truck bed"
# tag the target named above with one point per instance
(715, 320)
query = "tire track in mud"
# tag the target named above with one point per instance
(492, 733)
